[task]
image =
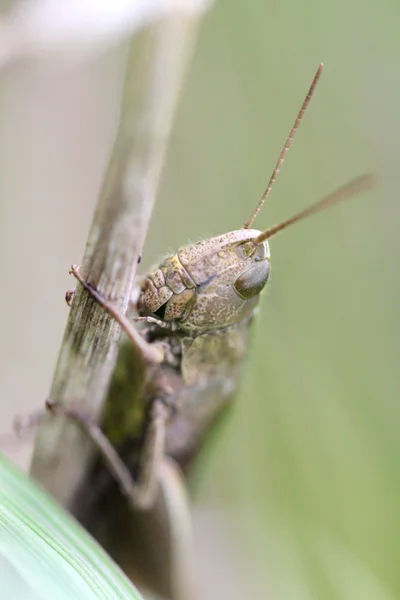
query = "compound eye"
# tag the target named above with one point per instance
(250, 283)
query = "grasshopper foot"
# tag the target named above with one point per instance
(69, 294)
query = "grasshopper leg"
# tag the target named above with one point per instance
(69, 294)
(151, 353)
(179, 525)
(140, 493)
(152, 455)
(150, 320)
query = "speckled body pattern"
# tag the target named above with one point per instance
(196, 285)
(199, 294)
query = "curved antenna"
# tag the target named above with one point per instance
(362, 183)
(285, 148)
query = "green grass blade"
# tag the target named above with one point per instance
(45, 554)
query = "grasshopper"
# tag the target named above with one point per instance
(196, 310)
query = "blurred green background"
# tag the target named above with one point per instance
(299, 497)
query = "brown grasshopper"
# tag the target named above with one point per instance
(195, 311)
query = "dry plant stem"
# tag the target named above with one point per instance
(155, 67)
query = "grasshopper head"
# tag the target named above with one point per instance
(209, 285)
(228, 274)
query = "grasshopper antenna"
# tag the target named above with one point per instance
(362, 183)
(285, 148)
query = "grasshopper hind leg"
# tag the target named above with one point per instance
(149, 532)
(139, 492)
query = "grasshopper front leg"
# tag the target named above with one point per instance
(151, 353)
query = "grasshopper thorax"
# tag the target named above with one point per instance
(209, 285)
